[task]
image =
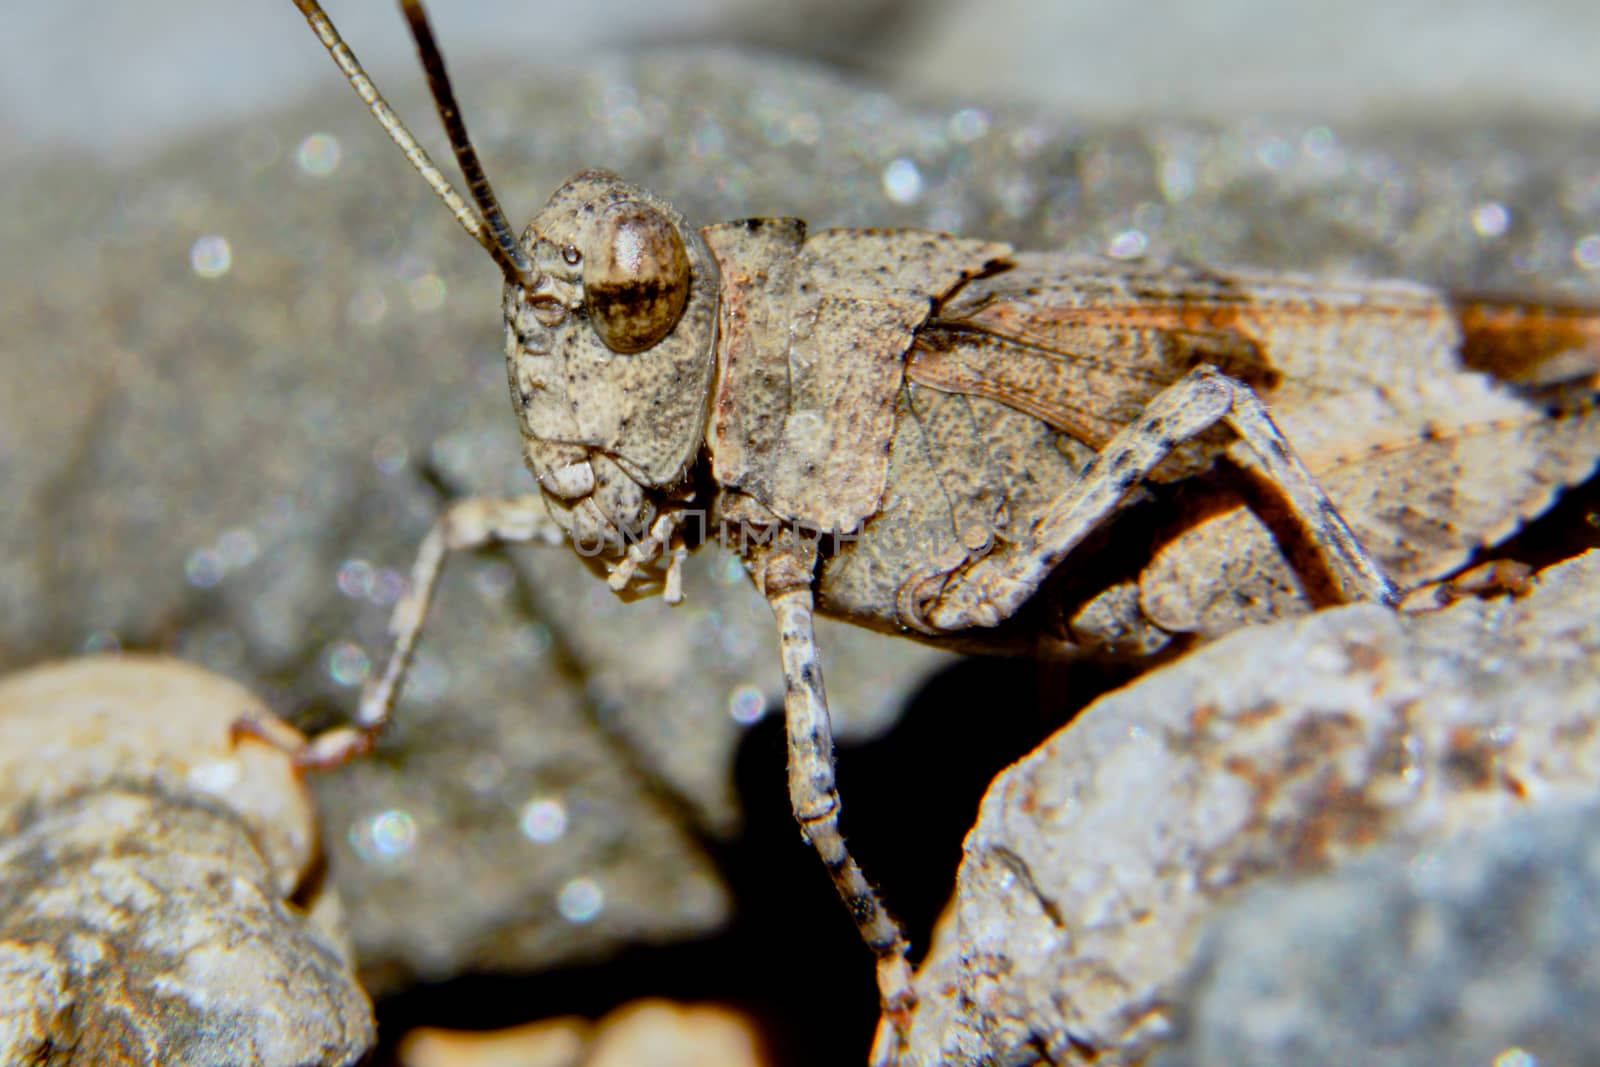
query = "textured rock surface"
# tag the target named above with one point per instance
(1098, 860)
(81, 724)
(146, 872)
(1478, 950)
(232, 457)
(647, 1033)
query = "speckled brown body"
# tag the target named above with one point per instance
(918, 402)
(913, 432)
(1018, 380)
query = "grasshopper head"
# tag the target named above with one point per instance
(610, 351)
(610, 306)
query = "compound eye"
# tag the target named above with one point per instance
(636, 279)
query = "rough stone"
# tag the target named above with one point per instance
(1479, 949)
(1285, 750)
(233, 458)
(158, 904)
(644, 1033)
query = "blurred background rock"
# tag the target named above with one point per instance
(115, 78)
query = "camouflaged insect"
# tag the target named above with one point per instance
(913, 432)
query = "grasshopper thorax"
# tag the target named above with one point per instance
(610, 354)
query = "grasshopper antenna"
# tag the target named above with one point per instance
(490, 229)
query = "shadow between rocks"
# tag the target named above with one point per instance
(791, 958)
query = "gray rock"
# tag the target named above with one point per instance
(1098, 861)
(139, 928)
(1480, 949)
(1248, 56)
(235, 464)
(159, 903)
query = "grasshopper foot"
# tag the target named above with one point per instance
(892, 1041)
(326, 751)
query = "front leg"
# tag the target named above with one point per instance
(815, 798)
(993, 588)
(468, 524)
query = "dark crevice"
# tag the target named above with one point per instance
(791, 958)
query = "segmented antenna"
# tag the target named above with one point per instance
(490, 230)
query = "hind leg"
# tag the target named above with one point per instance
(992, 589)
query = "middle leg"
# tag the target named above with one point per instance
(815, 800)
(467, 524)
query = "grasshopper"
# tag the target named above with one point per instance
(914, 431)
